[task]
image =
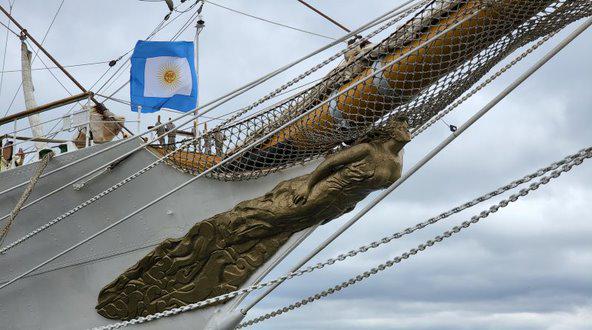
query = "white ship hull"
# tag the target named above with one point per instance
(63, 294)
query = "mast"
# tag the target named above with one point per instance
(29, 94)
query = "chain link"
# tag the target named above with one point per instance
(191, 140)
(420, 86)
(324, 63)
(390, 263)
(560, 169)
(89, 201)
(556, 169)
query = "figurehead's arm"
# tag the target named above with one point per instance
(329, 166)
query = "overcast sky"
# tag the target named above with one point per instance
(527, 267)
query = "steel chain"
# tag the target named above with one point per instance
(565, 165)
(189, 141)
(449, 233)
(442, 216)
(421, 129)
(89, 201)
(322, 64)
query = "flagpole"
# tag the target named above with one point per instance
(13, 163)
(139, 119)
(88, 118)
(200, 24)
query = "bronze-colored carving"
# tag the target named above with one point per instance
(219, 254)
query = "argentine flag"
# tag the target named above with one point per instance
(163, 76)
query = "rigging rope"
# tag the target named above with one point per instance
(473, 119)
(325, 16)
(89, 201)
(161, 26)
(517, 82)
(8, 29)
(397, 18)
(567, 164)
(5, 47)
(413, 87)
(422, 247)
(482, 85)
(225, 98)
(121, 70)
(113, 79)
(36, 55)
(55, 67)
(270, 21)
(185, 26)
(127, 102)
(17, 208)
(112, 63)
(224, 161)
(103, 150)
(53, 75)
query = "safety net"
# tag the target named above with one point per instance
(435, 53)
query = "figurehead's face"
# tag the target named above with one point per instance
(399, 128)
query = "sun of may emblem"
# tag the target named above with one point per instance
(169, 76)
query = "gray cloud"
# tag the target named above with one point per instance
(528, 267)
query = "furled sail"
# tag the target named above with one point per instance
(104, 127)
(29, 93)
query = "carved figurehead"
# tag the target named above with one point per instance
(219, 254)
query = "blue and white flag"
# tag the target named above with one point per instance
(163, 76)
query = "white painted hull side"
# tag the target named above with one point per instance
(63, 294)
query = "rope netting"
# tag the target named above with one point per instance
(442, 50)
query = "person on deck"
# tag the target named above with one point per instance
(207, 140)
(6, 158)
(4, 165)
(19, 157)
(218, 138)
(196, 138)
(160, 131)
(171, 133)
